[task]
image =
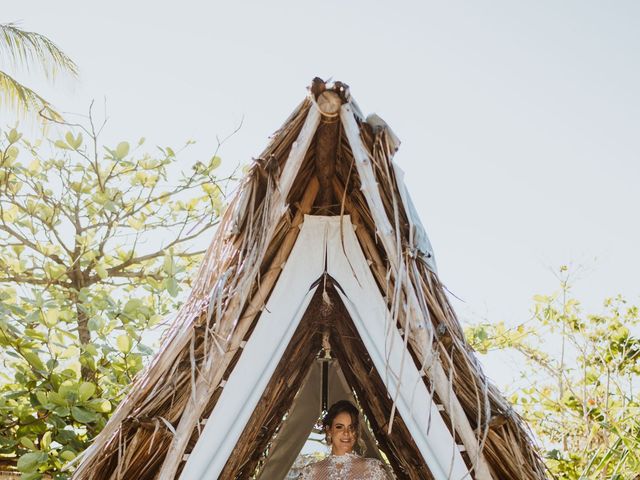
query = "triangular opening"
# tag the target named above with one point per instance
(263, 435)
(325, 384)
(305, 306)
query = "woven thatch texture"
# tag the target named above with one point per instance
(160, 419)
(506, 442)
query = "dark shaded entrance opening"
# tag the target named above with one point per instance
(326, 318)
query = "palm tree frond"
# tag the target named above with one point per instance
(26, 49)
(23, 100)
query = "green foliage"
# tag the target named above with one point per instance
(95, 246)
(582, 371)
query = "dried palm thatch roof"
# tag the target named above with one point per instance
(325, 160)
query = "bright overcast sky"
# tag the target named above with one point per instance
(520, 121)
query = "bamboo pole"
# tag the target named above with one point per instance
(326, 145)
(370, 247)
(277, 264)
(418, 336)
(371, 251)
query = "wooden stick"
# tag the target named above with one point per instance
(256, 303)
(371, 251)
(270, 277)
(326, 145)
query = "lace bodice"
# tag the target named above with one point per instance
(345, 467)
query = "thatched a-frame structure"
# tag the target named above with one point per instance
(320, 257)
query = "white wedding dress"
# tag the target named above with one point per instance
(345, 467)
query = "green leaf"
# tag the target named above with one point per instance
(100, 405)
(82, 415)
(132, 306)
(171, 284)
(29, 462)
(215, 162)
(42, 398)
(67, 455)
(10, 155)
(69, 391)
(122, 150)
(78, 141)
(211, 189)
(91, 349)
(95, 324)
(124, 343)
(554, 454)
(86, 391)
(50, 317)
(34, 360)
(111, 206)
(27, 442)
(62, 411)
(73, 142)
(169, 266)
(155, 320)
(102, 272)
(136, 224)
(45, 442)
(61, 144)
(13, 136)
(57, 399)
(34, 167)
(145, 350)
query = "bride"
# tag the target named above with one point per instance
(341, 425)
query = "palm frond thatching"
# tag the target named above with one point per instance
(158, 424)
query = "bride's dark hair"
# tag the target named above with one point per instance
(342, 406)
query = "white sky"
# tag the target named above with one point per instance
(520, 121)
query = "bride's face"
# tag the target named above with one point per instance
(342, 434)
